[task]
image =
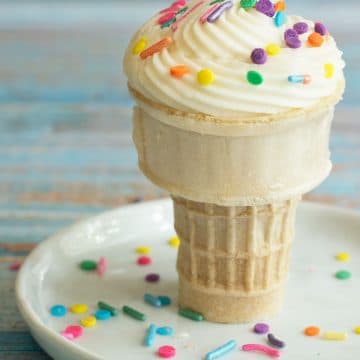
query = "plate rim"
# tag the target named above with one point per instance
(32, 319)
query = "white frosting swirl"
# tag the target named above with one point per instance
(225, 47)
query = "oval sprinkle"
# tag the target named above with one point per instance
(329, 70)
(89, 321)
(272, 49)
(139, 46)
(143, 250)
(79, 308)
(312, 331)
(247, 4)
(254, 78)
(343, 275)
(179, 71)
(315, 39)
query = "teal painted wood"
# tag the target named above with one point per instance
(65, 126)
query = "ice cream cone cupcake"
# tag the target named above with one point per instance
(234, 103)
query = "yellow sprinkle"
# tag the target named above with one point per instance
(174, 241)
(79, 308)
(205, 77)
(329, 71)
(143, 250)
(335, 336)
(139, 46)
(343, 256)
(272, 49)
(357, 330)
(89, 321)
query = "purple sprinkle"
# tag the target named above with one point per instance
(301, 28)
(258, 56)
(219, 11)
(261, 328)
(320, 28)
(290, 33)
(293, 42)
(266, 7)
(276, 342)
(152, 277)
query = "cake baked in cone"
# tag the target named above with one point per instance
(232, 117)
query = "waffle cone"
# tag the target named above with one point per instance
(233, 261)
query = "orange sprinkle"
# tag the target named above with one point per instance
(280, 6)
(179, 71)
(157, 47)
(315, 39)
(312, 331)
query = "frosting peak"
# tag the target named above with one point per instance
(199, 57)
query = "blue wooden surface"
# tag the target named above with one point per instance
(65, 131)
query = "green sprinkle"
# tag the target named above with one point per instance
(88, 265)
(134, 313)
(181, 11)
(216, 1)
(167, 23)
(247, 4)
(104, 306)
(343, 275)
(254, 78)
(191, 314)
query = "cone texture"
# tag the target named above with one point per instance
(233, 260)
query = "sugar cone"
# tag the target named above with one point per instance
(235, 184)
(233, 260)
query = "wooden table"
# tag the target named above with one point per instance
(65, 130)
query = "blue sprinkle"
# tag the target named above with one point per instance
(279, 18)
(222, 350)
(152, 300)
(165, 300)
(165, 331)
(58, 310)
(150, 335)
(103, 314)
(296, 79)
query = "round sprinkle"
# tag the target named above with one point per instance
(72, 332)
(254, 78)
(58, 310)
(320, 29)
(144, 260)
(280, 6)
(165, 300)
(312, 331)
(174, 241)
(290, 33)
(343, 275)
(279, 19)
(88, 265)
(272, 49)
(165, 331)
(15, 265)
(103, 314)
(292, 39)
(143, 250)
(152, 277)
(329, 70)
(247, 4)
(315, 39)
(139, 46)
(357, 330)
(79, 308)
(167, 351)
(89, 321)
(266, 7)
(205, 77)
(258, 56)
(301, 28)
(275, 341)
(342, 256)
(261, 328)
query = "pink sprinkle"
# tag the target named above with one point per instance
(175, 7)
(168, 16)
(15, 265)
(204, 17)
(167, 351)
(262, 348)
(176, 24)
(144, 260)
(101, 266)
(72, 332)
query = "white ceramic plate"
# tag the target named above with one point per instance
(50, 275)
